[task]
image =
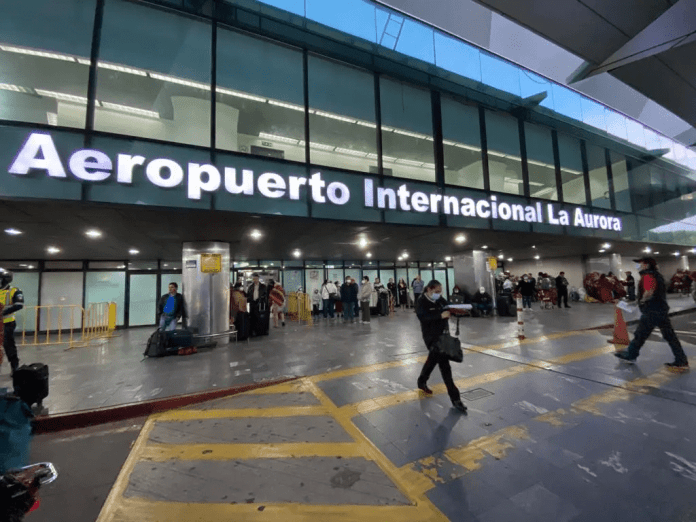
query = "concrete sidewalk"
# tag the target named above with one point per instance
(113, 372)
(557, 431)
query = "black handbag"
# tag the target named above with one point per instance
(450, 346)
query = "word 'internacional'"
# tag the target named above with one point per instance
(39, 153)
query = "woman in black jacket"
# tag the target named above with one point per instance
(434, 320)
(403, 293)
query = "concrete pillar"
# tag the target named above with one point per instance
(206, 287)
(684, 263)
(616, 266)
(471, 273)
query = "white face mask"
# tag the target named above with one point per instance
(482, 290)
(435, 296)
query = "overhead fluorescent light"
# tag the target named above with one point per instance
(461, 238)
(282, 139)
(467, 147)
(411, 134)
(409, 162)
(286, 105)
(320, 146)
(428, 165)
(121, 68)
(496, 153)
(535, 184)
(134, 251)
(571, 171)
(15, 88)
(389, 158)
(84, 61)
(62, 96)
(512, 180)
(387, 128)
(13, 231)
(131, 110)
(449, 142)
(335, 116)
(540, 163)
(42, 54)
(366, 124)
(543, 192)
(373, 156)
(180, 81)
(238, 94)
(93, 233)
(352, 152)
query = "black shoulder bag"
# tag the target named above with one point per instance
(450, 346)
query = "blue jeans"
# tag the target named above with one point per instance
(328, 307)
(163, 323)
(348, 310)
(526, 301)
(484, 307)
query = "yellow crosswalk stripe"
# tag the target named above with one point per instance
(286, 411)
(165, 452)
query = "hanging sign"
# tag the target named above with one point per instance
(211, 263)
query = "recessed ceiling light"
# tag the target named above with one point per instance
(368, 255)
(297, 253)
(448, 258)
(657, 253)
(363, 242)
(13, 231)
(30, 266)
(510, 259)
(256, 234)
(405, 255)
(484, 247)
(533, 246)
(461, 238)
(166, 264)
(134, 251)
(401, 258)
(676, 253)
(22, 264)
(53, 250)
(501, 256)
(93, 233)
(606, 245)
(647, 250)
(601, 250)
(537, 257)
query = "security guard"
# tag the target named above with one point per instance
(12, 299)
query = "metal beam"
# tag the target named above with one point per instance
(674, 28)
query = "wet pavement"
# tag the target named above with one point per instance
(557, 430)
(114, 372)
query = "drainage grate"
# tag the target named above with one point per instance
(476, 393)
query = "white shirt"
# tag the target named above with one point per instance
(327, 289)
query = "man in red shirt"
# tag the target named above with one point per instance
(652, 301)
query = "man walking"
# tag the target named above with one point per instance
(562, 289)
(652, 301)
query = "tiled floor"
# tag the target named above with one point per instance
(114, 372)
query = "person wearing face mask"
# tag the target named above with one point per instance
(349, 297)
(483, 301)
(365, 295)
(526, 288)
(434, 320)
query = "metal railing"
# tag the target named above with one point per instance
(300, 307)
(67, 324)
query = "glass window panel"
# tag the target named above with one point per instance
(457, 56)
(45, 61)
(416, 40)
(593, 113)
(427, 276)
(599, 180)
(63, 265)
(292, 280)
(567, 102)
(402, 273)
(107, 287)
(653, 140)
(540, 162)
(386, 275)
(572, 175)
(639, 173)
(354, 273)
(504, 161)
(461, 133)
(500, 74)
(142, 265)
(616, 124)
(356, 17)
(531, 84)
(171, 265)
(635, 131)
(336, 274)
(658, 192)
(170, 278)
(314, 278)
(619, 172)
(155, 81)
(342, 124)
(106, 265)
(61, 290)
(28, 283)
(450, 281)
(407, 131)
(441, 275)
(292, 6)
(19, 265)
(260, 97)
(142, 307)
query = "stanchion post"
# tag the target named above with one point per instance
(520, 319)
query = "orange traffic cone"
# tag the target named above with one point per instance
(620, 330)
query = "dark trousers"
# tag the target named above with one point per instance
(10, 346)
(648, 322)
(435, 358)
(415, 299)
(527, 301)
(631, 293)
(365, 307)
(328, 307)
(562, 296)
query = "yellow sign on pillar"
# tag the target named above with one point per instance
(492, 263)
(211, 263)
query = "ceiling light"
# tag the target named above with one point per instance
(93, 233)
(256, 234)
(297, 253)
(180, 81)
(134, 251)
(166, 264)
(239, 94)
(62, 96)
(484, 247)
(121, 68)
(52, 118)
(53, 250)
(401, 258)
(351, 152)
(461, 238)
(647, 250)
(363, 242)
(448, 258)
(410, 163)
(30, 266)
(510, 259)
(537, 257)
(282, 139)
(601, 250)
(299, 108)
(13, 231)
(368, 255)
(657, 253)
(676, 253)
(405, 255)
(335, 116)
(693, 250)
(130, 110)
(367, 124)
(606, 245)
(501, 256)
(31, 52)
(533, 246)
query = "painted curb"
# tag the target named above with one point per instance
(87, 418)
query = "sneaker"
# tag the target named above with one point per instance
(677, 366)
(623, 355)
(424, 388)
(459, 405)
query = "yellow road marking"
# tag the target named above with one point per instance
(386, 401)
(464, 459)
(115, 498)
(295, 386)
(287, 411)
(139, 510)
(164, 452)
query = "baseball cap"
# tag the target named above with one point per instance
(648, 260)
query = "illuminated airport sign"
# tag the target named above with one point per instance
(38, 156)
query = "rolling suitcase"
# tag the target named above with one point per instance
(241, 323)
(179, 339)
(31, 383)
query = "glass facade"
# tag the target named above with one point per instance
(540, 162)
(599, 179)
(461, 132)
(572, 172)
(504, 156)
(107, 287)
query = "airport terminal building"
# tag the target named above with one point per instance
(320, 139)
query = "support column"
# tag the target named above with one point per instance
(684, 263)
(471, 273)
(616, 265)
(206, 287)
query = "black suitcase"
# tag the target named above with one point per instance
(179, 339)
(504, 306)
(241, 324)
(31, 383)
(263, 323)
